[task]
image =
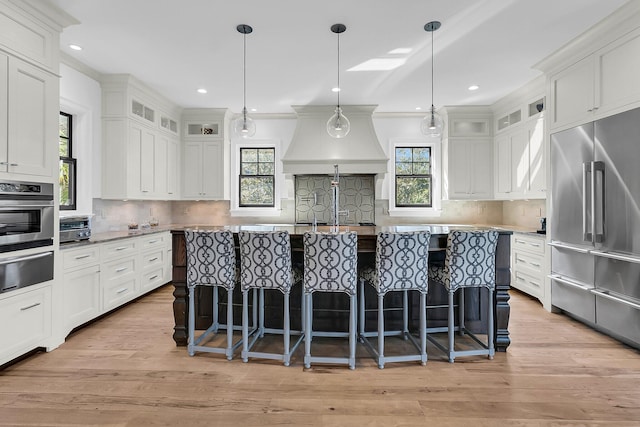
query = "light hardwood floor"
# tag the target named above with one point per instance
(125, 370)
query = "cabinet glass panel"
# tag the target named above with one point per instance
(149, 114)
(536, 107)
(515, 117)
(203, 129)
(137, 108)
(503, 122)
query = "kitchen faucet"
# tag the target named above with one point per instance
(335, 202)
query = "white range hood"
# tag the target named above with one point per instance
(313, 151)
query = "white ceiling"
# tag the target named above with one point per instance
(177, 47)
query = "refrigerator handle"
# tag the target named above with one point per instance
(597, 202)
(586, 234)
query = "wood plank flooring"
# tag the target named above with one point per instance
(125, 370)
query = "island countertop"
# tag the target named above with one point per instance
(366, 247)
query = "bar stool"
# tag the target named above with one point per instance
(211, 261)
(470, 262)
(330, 265)
(401, 266)
(265, 263)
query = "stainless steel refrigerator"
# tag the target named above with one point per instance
(595, 224)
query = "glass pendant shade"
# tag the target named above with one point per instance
(244, 126)
(432, 124)
(338, 125)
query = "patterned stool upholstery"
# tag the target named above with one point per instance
(401, 265)
(211, 261)
(470, 262)
(330, 265)
(265, 263)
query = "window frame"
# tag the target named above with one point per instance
(71, 161)
(257, 175)
(255, 211)
(436, 178)
(414, 175)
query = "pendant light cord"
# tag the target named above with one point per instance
(244, 76)
(339, 88)
(432, 61)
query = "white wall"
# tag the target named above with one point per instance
(80, 95)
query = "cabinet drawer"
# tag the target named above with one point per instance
(81, 296)
(528, 262)
(153, 258)
(154, 240)
(530, 244)
(119, 268)
(117, 292)
(530, 284)
(153, 278)
(27, 322)
(119, 248)
(82, 257)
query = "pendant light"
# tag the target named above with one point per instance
(244, 126)
(338, 125)
(432, 125)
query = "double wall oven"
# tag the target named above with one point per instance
(26, 221)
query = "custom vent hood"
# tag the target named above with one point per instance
(313, 151)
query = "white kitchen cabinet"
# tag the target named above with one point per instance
(26, 317)
(81, 285)
(27, 118)
(203, 170)
(139, 142)
(173, 167)
(528, 264)
(119, 279)
(469, 169)
(601, 84)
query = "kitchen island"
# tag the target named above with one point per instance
(332, 308)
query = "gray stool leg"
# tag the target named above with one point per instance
(308, 331)
(261, 311)
(352, 331)
(490, 325)
(229, 352)
(423, 327)
(451, 327)
(287, 328)
(245, 325)
(362, 306)
(380, 331)
(461, 311)
(192, 320)
(405, 313)
(216, 323)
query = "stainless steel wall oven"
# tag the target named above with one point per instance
(26, 215)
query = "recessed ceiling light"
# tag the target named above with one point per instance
(253, 110)
(418, 108)
(379, 64)
(202, 90)
(335, 89)
(400, 51)
(75, 47)
(474, 87)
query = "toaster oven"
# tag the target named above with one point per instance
(73, 228)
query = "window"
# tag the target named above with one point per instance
(67, 163)
(257, 177)
(413, 177)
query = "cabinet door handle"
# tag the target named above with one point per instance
(121, 248)
(29, 306)
(153, 259)
(4, 163)
(13, 164)
(155, 276)
(535, 264)
(535, 245)
(119, 291)
(83, 256)
(121, 269)
(151, 242)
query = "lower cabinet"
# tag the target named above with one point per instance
(100, 277)
(527, 264)
(26, 320)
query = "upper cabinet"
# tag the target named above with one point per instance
(519, 154)
(203, 168)
(140, 140)
(598, 74)
(468, 153)
(29, 94)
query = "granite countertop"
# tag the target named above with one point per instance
(295, 229)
